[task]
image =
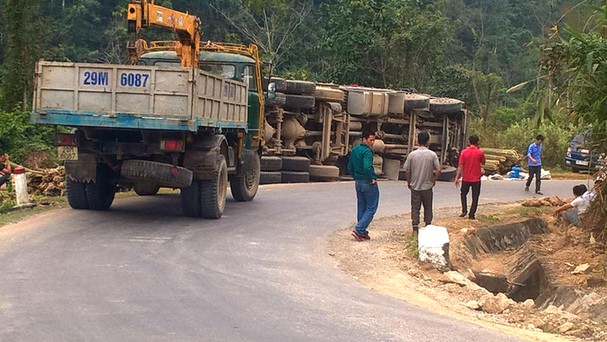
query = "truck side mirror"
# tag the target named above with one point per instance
(271, 90)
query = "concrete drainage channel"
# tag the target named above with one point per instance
(518, 271)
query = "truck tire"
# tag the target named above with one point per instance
(280, 83)
(269, 177)
(299, 101)
(213, 192)
(76, 194)
(160, 173)
(324, 173)
(447, 174)
(244, 187)
(300, 87)
(271, 163)
(146, 188)
(416, 101)
(301, 164)
(279, 100)
(445, 105)
(294, 177)
(190, 200)
(329, 94)
(100, 193)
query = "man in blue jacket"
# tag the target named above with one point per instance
(360, 167)
(534, 154)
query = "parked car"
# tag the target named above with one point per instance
(581, 156)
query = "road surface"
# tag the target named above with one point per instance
(143, 272)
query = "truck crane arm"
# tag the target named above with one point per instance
(144, 13)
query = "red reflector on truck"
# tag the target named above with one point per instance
(171, 145)
(63, 139)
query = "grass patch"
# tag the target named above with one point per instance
(43, 204)
(411, 246)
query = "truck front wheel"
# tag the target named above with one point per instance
(213, 192)
(100, 193)
(244, 186)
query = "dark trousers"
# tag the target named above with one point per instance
(419, 198)
(4, 178)
(535, 171)
(476, 192)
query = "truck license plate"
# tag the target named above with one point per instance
(67, 152)
(581, 162)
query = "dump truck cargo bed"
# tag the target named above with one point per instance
(136, 97)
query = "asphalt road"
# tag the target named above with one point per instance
(142, 272)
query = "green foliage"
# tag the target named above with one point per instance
(519, 135)
(18, 137)
(384, 43)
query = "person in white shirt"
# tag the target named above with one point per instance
(589, 195)
(574, 210)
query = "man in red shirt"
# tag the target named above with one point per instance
(470, 170)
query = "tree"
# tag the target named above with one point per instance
(276, 27)
(21, 30)
(384, 43)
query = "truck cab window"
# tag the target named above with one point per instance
(224, 70)
(249, 78)
(168, 64)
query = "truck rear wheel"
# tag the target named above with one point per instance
(244, 187)
(213, 192)
(190, 200)
(100, 193)
(76, 194)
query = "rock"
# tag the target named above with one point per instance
(464, 231)
(530, 326)
(456, 278)
(537, 322)
(552, 309)
(528, 304)
(592, 239)
(473, 305)
(595, 281)
(470, 275)
(494, 304)
(581, 269)
(566, 327)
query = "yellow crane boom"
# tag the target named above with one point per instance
(144, 13)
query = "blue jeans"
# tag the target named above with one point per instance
(367, 196)
(4, 178)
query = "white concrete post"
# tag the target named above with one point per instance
(20, 180)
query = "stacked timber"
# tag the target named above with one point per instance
(500, 160)
(46, 182)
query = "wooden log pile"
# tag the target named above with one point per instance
(46, 182)
(500, 160)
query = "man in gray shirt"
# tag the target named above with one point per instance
(423, 169)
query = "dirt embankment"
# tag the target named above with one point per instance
(563, 269)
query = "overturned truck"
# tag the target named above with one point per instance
(319, 124)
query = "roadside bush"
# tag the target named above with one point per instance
(519, 135)
(18, 136)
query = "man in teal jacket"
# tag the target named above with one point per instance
(360, 167)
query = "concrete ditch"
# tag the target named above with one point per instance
(521, 274)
